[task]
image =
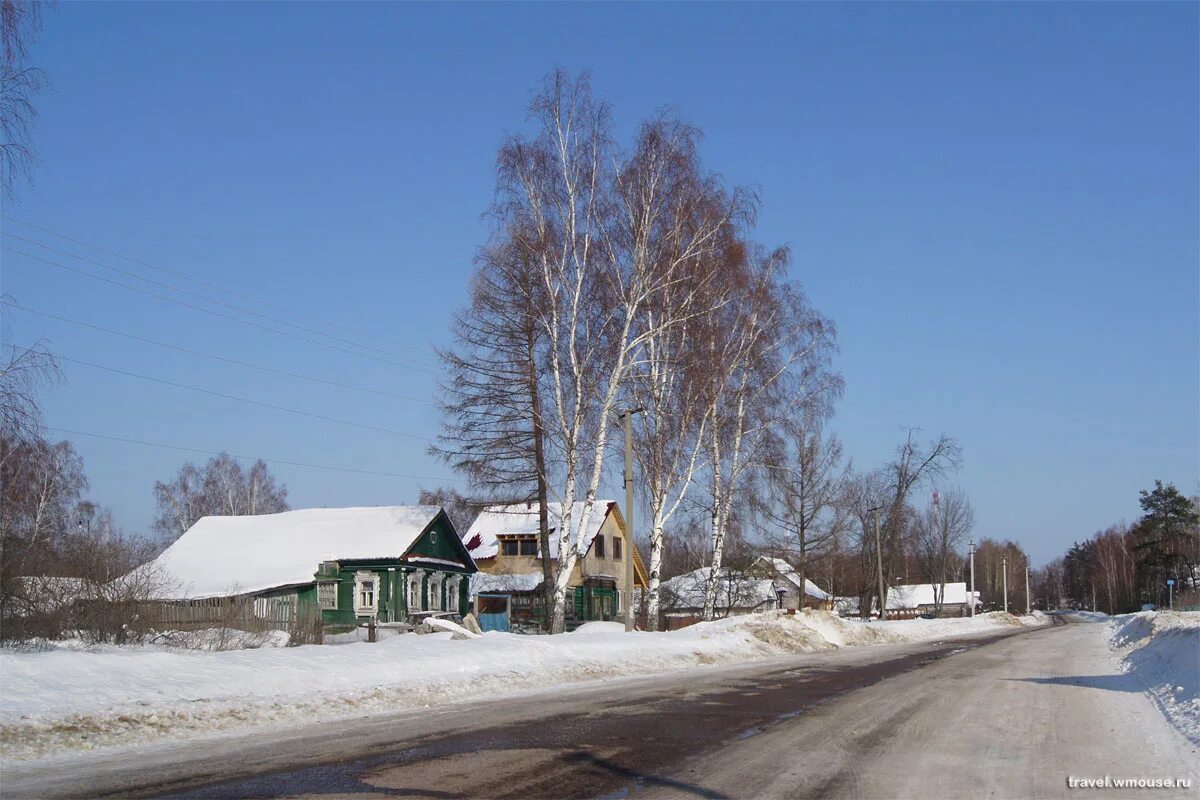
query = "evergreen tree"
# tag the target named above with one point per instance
(1165, 541)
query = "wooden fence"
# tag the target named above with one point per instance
(250, 614)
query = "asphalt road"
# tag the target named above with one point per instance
(1011, 715)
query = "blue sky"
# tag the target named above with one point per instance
(997, 204)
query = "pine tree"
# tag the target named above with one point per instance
(1165, 541)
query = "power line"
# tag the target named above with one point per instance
(199, 282)
(250, 458)
(171, 288)
(186, 304)
(180, 349)
(235, 397)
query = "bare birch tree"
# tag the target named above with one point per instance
(697, 225)
(603, 223)
(221, 488)
(770, 354)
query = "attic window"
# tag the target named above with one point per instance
(518, 546)
(433, 537)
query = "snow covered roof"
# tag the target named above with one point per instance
(226, 555)
(921, 594)
(516, 582)
(521, 519)
(789, 573)
(733, 591)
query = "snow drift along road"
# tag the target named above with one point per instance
(1160, 654)
(81, 699)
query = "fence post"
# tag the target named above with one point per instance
(370, 629)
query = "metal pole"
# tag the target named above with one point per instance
(879, 565)
(1171, 595)
(627, 554)
(1004, 562)
(1028, 607)
(972, 598)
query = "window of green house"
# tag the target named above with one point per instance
(327, 596)
(365, 587)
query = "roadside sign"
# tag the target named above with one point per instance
(1170, 581)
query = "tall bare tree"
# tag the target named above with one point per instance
(614, 232)
(494, 431)
(941, 528)
(913, 464)
(804, 483)
(676, 214)
(770, 358)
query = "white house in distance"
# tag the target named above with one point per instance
(916, 599)
(919, 597)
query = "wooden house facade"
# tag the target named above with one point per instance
(321, 567)
(503, 541)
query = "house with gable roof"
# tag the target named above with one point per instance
(503, 542)
(339, 565)
(799, 594)
(738, 593)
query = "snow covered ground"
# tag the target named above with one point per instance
(68, 698)
(1159, 652)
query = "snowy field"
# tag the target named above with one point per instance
(73, 698)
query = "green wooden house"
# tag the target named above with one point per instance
(342, 566)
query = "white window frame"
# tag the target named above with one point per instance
(435, 591)
(360, 579)
(414, 592)
(327, 603)
(453, 583)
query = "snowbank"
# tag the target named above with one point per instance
(64, 699)
(928, 629)
(1160, 652)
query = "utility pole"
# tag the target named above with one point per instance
(972, 598)
(630, 613)
(1028, 606)
(879, 566)
(1004, 562)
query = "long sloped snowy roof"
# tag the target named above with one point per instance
(789, 573)
(733, 591)
(228, 555)
(521, 519)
